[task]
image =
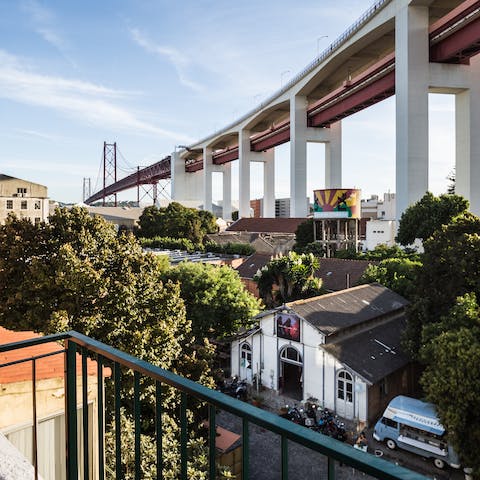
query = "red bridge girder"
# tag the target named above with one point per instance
(151, 174)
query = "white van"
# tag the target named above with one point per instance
(413, 425)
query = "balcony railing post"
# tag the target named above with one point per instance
(71, 410)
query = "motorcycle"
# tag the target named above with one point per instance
(235, 388)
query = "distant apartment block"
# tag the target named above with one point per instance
(375, 209)
(23, 198)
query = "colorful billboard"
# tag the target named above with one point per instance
(336, 203)
(288, 326)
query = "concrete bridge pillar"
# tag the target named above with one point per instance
(178, 176)
(244, 173)
(298, 156)
(227, 191)
(411, 91)
(269, 183)
(333, 157)
(185, 186)
(467, 128)
(207, 178)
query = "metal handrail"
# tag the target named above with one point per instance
(333, 47)
(75, 342)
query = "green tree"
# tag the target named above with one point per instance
(426, 216)
(208, 221)
(398, 274)
(216, 301)
(176, 221)
(76, 273)
(292, 275)
(304, 235)
(451, 379)
(451, 268)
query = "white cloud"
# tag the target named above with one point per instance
(175, 57)
(45, 24)
(83, 101)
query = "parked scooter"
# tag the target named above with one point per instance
(235, 388)
(328, 424)
(293, 414)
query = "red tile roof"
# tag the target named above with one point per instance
(266, 225)
(48, 367)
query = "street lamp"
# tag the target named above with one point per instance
(318, 43)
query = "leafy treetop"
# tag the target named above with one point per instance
(288, 278)
(424, 217)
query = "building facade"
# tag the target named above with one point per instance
(341, 348)
(23, 198)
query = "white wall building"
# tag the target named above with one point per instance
(374, 208)
(342, 348)
(23, 198)
(380, 232)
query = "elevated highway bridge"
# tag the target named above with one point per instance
(403, 47)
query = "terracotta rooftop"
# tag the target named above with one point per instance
(334, 271)
(266, 225)
(48, 367)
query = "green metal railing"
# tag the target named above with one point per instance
(105, 355)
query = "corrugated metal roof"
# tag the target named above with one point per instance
(374, 353)
(336, 311)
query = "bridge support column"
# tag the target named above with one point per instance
(298, 156)
(207, 178)
(333, 157)
(227, 191)
(178, 176)
(411, 84)
(244, 173)
(269, 184)
(467, 128)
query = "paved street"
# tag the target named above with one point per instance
(303, 463)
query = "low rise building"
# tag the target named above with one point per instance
(341, 348)
(23, 198)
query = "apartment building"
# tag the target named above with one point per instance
(23, 198)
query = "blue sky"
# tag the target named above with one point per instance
(152, 74)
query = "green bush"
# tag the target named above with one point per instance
(170, 243)
(229, 248)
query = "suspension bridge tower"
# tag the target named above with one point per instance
(109, 170)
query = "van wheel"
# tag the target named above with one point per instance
(391, 444)
(439, 463)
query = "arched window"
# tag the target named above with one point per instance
(291, 355)
(245, 355)
(345, 386)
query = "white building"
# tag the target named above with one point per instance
(373, 208)
(342, 348)
(23, 198)
(380, 232)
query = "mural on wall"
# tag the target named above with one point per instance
(288, 326)
(337, 203)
